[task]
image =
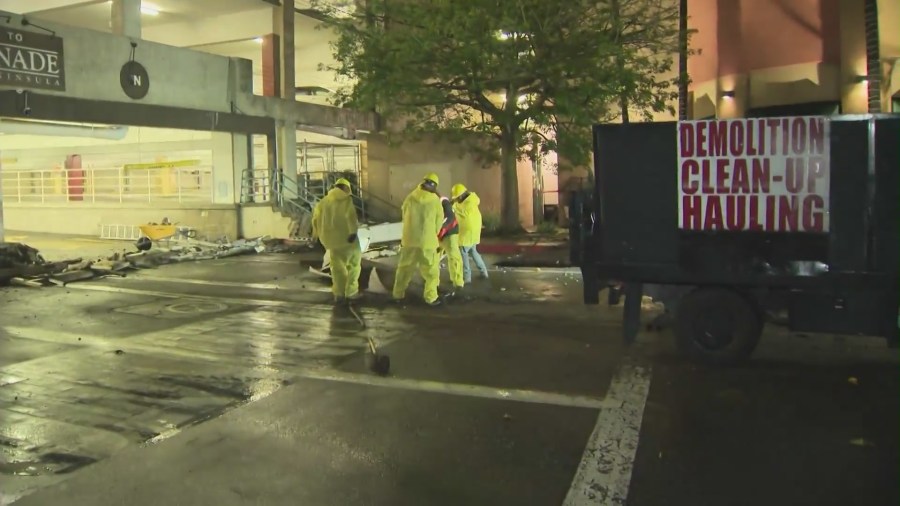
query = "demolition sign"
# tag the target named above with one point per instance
(754, 174)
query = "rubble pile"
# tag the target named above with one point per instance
(22, 265)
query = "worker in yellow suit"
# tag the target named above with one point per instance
(422, 219)
(449, 237)
(335, 225)
(469, 217)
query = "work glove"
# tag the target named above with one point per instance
(352, 238)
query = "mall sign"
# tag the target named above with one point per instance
(31, 60)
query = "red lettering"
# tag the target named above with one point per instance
(794, 171)
(813, 215)
(817, 136)
(691, 208)
(707, 177)
(722, 175)
(740, 182)
(754, 213)
(736, 138)
(689, 168)
(687, 139)
(718, 134)
(788, 213)
(770, 213)
(737, 212)
(815, 170)
(762, 137)
(762, 175)
(798, 136)
(751, 148)
(713, 219)
(701, 140)
(785, 136)
(773, 134)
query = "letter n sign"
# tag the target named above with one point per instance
(134, 80)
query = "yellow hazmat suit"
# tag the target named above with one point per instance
(469, 217)
(450, 244)
(335, 224)
(422, 219)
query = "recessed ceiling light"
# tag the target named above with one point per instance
(149, 10)
(258, 40)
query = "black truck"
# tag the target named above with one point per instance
(727, 222)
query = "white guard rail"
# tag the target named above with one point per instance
(110, 185)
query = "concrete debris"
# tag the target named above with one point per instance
(22, 265)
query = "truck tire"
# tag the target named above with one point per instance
(717, 326)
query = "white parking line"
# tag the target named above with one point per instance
(505, 394)
(604, 473)
(236, 284)
(173, 295)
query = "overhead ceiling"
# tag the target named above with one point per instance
(95, 14)
(182, 23)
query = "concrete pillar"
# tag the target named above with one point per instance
(241, 149)
(287, 152)
(854, 92)
(283, 22)
(271, 65)
(1, 202)
(126, 18)
(224, 168)
(279, 81)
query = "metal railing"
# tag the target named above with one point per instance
(109, 185)
(297, 195)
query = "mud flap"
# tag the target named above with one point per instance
(634, 294)
(590, 285)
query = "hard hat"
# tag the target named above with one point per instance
(433, 178)
(342, 182)
(457, 190)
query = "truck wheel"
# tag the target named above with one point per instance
(717, 326)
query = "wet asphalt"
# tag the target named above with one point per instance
(236, 382)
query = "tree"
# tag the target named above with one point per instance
(873, 55)
(508, 76)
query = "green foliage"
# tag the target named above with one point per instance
(547, 228)
(507, 74)
(491, 223)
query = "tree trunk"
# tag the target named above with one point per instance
(873, 56)
(509, 184)
(683, 60)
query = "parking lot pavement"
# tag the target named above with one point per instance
(240, 375)
(93, 369)
(810, 420)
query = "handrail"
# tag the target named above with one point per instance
(84, 186)
(295, 195)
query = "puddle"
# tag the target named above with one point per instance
(48, 463)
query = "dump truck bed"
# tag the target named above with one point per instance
(807, 206)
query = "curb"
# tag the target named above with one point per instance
(514, 248)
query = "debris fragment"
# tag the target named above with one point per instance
(862, 442)
(853, 380)
(22, 265)
(120, 352)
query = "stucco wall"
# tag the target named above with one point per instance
(261, 220)
(392, 171)
(777, 52)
